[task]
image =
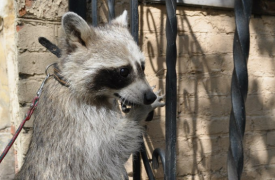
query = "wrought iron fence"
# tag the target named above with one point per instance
(239, 86)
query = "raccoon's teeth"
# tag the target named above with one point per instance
(124, 101)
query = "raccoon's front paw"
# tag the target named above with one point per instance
(158, 102)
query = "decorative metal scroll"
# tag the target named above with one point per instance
(239, 88)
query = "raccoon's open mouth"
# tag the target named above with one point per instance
(124, 101)
(126, 105)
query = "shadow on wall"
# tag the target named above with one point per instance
(204, 67)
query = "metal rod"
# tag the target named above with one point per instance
(212, 3)
(146, 163)
(134, 19)
(134, 32)
(171, 90)
(111, 7)
(79, 7)
(94, 13)
(136, 166)
(239, 88)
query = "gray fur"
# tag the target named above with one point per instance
(81, 134)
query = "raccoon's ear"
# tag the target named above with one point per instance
(76, 28)
(121, 20)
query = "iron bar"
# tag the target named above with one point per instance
(171, 90)
(136, 166)
(79, 7)
(239, 88)
(134, 32)
(111, 7)
(94, 13)
(146, 163)
(134, 19)
(212, 3)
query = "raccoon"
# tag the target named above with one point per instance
(80, 132)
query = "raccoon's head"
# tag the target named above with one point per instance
(104, 62)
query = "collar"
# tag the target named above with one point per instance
(57, 74)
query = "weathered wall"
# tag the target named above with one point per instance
(34, 19)
(7, 57)
(205, 64)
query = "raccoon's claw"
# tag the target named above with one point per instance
(158, 102)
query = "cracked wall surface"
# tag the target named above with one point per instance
(204, 69)
(7, 58)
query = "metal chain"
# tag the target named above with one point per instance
(239, 88)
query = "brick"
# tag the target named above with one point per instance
(155, 129)
(204, 86)
(27, 89)
(22, 112)
(50, 10)
(215, 106)
(189, 20)
(261, 44)
(27, 41)
(7, 165)
(23, 142)
(258, 172)
(255, 141)
(260, 66)
(263, 123)
(270, 138)
(35, 62)
(268, 102)
(191, 165)
(254, 105)
(262, 25)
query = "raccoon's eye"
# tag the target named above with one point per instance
(124, 72)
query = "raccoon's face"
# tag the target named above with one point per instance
(104, 62)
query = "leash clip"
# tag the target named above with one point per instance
(38, 94)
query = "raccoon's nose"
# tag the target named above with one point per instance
(149, 97)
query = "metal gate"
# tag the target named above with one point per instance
(239, 86)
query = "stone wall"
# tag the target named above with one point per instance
(204, 67)
(7, 58)
(34, 19)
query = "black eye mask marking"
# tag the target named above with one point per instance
(113, 78)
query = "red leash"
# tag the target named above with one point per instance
(27, 117)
